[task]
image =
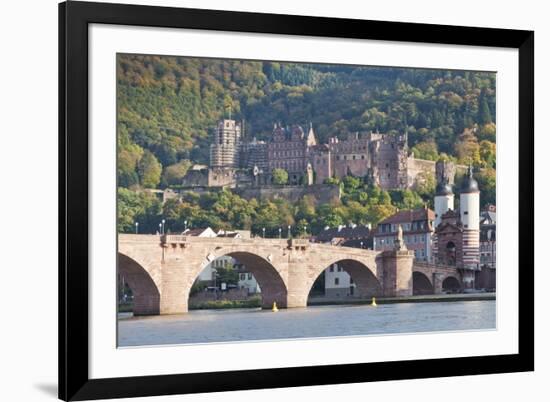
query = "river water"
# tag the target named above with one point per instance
(203, 326)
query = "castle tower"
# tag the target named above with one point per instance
(311, 140)
(444, 197)
(469, 217)
(224, 151)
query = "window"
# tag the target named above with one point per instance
(353, 157)
(249, 276)
(362, 156)
(339, 269)
(243, 276)
(336, 281)
(465, 212)
(331, 269)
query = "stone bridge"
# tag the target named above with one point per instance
(160, 270)
(433, 279)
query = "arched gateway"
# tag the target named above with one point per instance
(163, 268)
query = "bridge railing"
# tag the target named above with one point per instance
(429, 265)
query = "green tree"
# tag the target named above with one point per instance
(484, 111)
(425, 150)
(174, 174)
(149, 170)
(488, 153)
(227, 275)
(280, 176)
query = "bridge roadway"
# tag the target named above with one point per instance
(160, 270)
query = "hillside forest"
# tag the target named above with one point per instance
(168, 107)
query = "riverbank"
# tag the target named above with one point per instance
(321, 301)
(255, 302)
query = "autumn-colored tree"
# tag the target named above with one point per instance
(467, 149)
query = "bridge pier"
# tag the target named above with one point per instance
(397, 273)
(437, 281)
(298, 281)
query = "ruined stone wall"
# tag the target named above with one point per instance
(416, 167)
(222, 177)
(323, 193)
(195, 178)
(350, 156)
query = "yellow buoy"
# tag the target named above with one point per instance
(373, 303)
(274, 308)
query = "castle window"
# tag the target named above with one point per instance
(336, 281)
(362, 156)
(337, 157)
(387, 164)
(465, 212)
(392, 146)
(345, 157)
(353, 157)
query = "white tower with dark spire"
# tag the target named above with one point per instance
(444, 198)
(443, 201)
(469, 202)
(469, 217)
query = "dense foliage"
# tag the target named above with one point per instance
(169, 106)
(360, 204)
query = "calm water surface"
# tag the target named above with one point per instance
(202, 326)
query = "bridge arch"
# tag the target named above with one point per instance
(273, 287)
(144, 289)
(451, 283)
(363, 275)
(422, 284)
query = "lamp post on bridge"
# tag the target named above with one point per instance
(263, 233)
(185, 224)
(288, 233)
(163, 222)
(137, 227)
(160, 228)
(280, 230)
(361, 244)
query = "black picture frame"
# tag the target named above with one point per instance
(74, 18)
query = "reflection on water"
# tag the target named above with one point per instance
(201, 326)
